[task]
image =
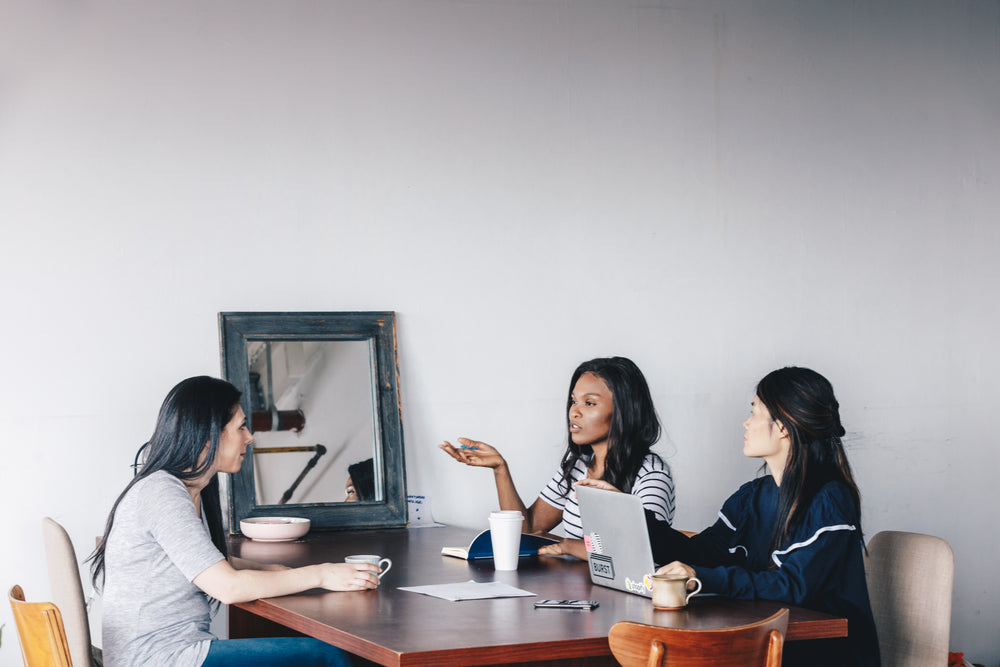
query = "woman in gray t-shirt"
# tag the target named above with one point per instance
(163, 556)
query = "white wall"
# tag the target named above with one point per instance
(712, 188)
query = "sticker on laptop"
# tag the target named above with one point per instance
(640, 587)
(601, 566)
(592, 543)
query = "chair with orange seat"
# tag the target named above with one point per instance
(756, 645)
(40, 629)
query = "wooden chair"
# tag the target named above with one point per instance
(40, 629)
(67, 594)
(910, 578)
(756, 645)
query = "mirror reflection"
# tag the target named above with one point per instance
(313, 416)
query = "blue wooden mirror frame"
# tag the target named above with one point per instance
(236, 329)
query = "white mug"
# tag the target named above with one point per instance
(670, 591)
(377, 561)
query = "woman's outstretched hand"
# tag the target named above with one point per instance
(348, 576)
(473, 453)
(596, 483)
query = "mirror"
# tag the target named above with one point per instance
(321, 394)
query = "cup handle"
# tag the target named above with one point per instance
(695, 591)
(388, 564)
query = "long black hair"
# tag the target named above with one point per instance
(195, 412)
(362, 476)
(803, 401)
(635, 428)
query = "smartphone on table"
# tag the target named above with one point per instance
(567, 604)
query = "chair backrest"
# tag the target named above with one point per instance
(910, 578)
(67, 589)
(40, 629)
(756, 645)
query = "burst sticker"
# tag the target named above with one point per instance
(601, 566)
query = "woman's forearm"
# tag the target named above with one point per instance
(245, 564)
(508, 496)
(229, 586)
(258, 584)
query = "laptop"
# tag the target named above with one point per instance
(617, 541)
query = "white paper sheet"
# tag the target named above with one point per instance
(469, 590)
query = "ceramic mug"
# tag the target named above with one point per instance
(670, 590)
(377, 561)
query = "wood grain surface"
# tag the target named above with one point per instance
(400, 628)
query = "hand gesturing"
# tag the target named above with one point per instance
(473, 453)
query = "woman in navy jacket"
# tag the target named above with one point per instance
(794, 535)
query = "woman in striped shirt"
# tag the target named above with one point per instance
(612, 425)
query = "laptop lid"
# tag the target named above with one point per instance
(617, 541)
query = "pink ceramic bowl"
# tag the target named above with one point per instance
(274, 528)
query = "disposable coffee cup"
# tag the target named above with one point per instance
(383, 564)
(670, 591)
(505, 534)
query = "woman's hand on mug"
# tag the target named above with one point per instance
(678, 569)
(348, 576)
(596, 484)
(473, 453)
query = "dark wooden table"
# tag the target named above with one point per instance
(400, 628)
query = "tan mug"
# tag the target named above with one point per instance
(382, 564)
(670, 590)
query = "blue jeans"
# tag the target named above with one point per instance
(297, 651)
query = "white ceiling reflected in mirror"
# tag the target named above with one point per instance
(322, 394)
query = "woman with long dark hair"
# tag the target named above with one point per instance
(163, 555)
(360, 485)
(793, 535)
(612, 425)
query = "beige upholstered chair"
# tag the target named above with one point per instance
(910, 578)
(756, 645)
(67, 593)
(40, 629)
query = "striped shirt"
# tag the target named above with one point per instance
(653, 484)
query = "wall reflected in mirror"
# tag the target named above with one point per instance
(313, 422)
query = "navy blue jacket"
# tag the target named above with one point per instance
(821, 567)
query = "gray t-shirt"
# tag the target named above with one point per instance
(153, 614)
